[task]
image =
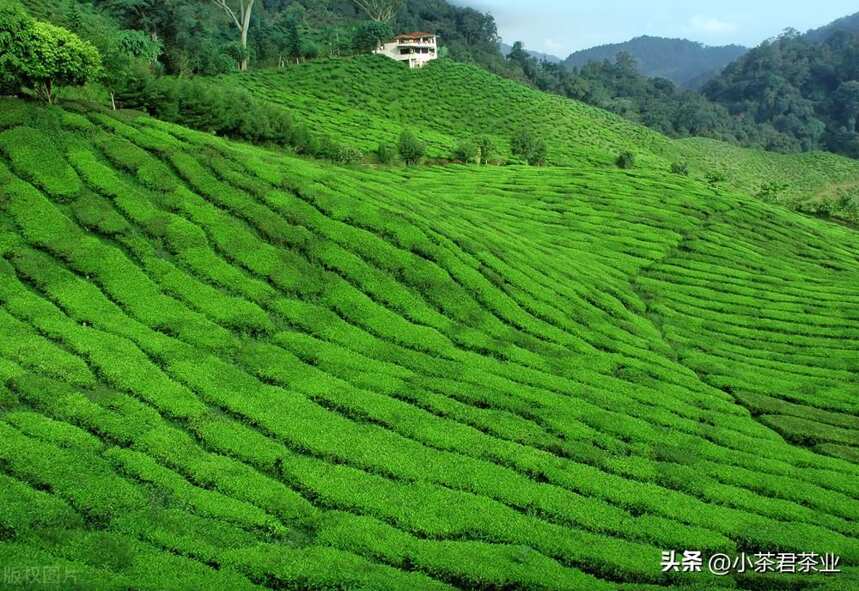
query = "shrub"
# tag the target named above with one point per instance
(467, 152)
(304, 142)
(386, 153)
(486, 147)
(340, 153)
(35, 157)
(625, 160)
(528, 147)
(770, 190)
(411, 149)
(681, 168)
(715, 177)
(202, 105)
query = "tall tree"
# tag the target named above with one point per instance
(242, 20)
(121, 54)
(380, 10)
(846, 100)
(370, 35)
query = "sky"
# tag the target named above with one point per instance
(560, 27)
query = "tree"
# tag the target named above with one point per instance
(292, 38)
(370, 35)
(529, 147)
(124, 54)
(242, 20)
(625, 160)
(411, 149)
(52, 56)
(518, 55)
(291, 26)
(681, 168)
(380, 10)
(14, 23)
(386, 153)
(467, 152)
(486, 149)
(846, 100)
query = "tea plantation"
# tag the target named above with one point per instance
(223, 367)
(369, 100)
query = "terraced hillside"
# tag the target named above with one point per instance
(370, 100)
(226, 368)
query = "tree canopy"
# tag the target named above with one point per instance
(807, 91)
(380, 10)
(42, 56)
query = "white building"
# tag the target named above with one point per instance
(417, 49)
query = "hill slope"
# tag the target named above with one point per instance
(222, 367)
(848, 24)
(370, 100)
(684, 62)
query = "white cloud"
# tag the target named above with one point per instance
(711, 25)
(553, 46)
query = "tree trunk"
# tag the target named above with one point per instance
(243, 24)
(113, 100)
(246, 24)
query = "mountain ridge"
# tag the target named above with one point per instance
(684, 62)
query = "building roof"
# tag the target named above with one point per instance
(413, 36)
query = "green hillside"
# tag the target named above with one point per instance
(223, 367)
(369, 100)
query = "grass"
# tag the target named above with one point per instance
(225, 366)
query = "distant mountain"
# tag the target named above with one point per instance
(687, 63)
(539, 56)
(850, 24)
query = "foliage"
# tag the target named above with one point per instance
(467, 152)
(410, 148)
(806, 90)
(339, 153)
(680, 168)
(486, 148)
(14, 24)
(37, 158)
(369, 100)
(386, 153)
(625, 160)
(380, 10)
(686, 63)
(240, 16)
(125, 54)
(226, 367)
(370, 35)
(42, 56)
(529, 147)
(231, 112)
(655, 102)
